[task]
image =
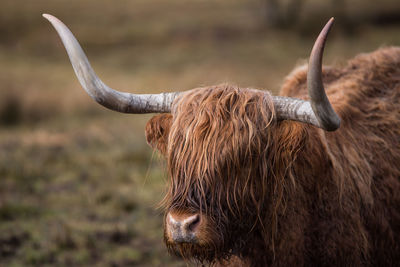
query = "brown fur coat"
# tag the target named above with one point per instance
(282, 193)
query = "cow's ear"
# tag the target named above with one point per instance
(157, 131)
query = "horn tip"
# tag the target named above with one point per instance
(330, 23)
(49, 17)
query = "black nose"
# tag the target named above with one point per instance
(182, 228)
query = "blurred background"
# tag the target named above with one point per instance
(78, 184)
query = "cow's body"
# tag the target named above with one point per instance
(337, 202)
(351, 177)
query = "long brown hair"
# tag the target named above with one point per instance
(282, 192)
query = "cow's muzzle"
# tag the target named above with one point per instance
(182, 227)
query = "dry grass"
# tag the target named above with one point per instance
(78, 185)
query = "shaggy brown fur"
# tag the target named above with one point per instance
(283, 193)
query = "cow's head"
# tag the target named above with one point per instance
(216, 141)
(221, 151)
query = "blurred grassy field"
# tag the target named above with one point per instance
(78, 184)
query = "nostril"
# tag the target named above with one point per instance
(174, 224)
(192, 222)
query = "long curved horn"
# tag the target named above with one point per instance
(100, 92)
(318, 111)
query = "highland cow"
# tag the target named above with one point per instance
(262, 180)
